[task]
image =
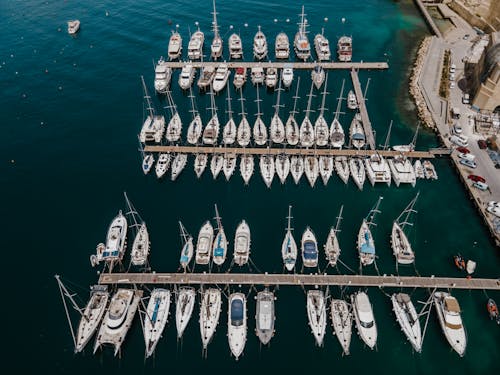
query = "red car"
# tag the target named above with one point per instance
(463, 150)
(476, 178)
(482, 144)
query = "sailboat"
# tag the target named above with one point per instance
(365, 320)
(211, 304)
(178, 165)
(316, 314)
(217, 45)
(187, 247)
(337, 135)
(216, 164)
(229, 165)
(282, 165)
(407, 317)
(264, 316)
(291, 127)
(352, 102)
(229, 132)
(342, 323)
(219, 248)
(154, 125)
(242, 244)
(246, 167)
(301, 42)
(267, 169)
(309, 249)
(366, 245)
(200, 163)
(174, 127)
(332, 247)
(244, 131)
(419, 169)
(289, 247)
(400, 244)
(211, 132)
(342, 168)
(311, 169)
(140, 246)
(148, 160)
(357, 132)
(357, 171)
(184, 308)
(306, 128)
(237, 323)
(297, 168)
(321, 130)
(259, 129)
(378, 169)
(156, 318)
(318, 76)
(204, 244)
(277, 127)
(195, 126)
(409, 147)
(325, 168)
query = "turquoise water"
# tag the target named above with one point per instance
(71, 109)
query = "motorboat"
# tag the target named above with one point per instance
(240, 77)
(237, 324)
(291, 127)
(365, 243)
(178, 165)
(492, 308)
(175, 46)
(174, 127)
(200, 164)
(264, 316)
(257, 75)
(204, 244)
(221, 76)
(163, 74)
(325, 168)
(206, 77)
(211, 131)
(448, 312)
(316, 314)
(322, 47)
(306, 128)
(140, 246)
(156, 318)
(309, 249)
(195, 46)
(419, 169)
(271, 77)
(282, 46)
(352, 102)
(235, 47)
(246, 167)
(342, 168)
(301, 42)
(162, 164)
(217, 46)
(344, 48)
(357, 172)
(244, 132)
(219, 248)
(229, 131)
(311, 169)
(195, 127)
(116, 239)
(153, 126)
(282, 166)
(289, 246)
(186, 77)
(147, 163)
(364, 318)
(357, 133)
(287, 75)
(216, 164)
(342, 323)
(73, 27)
(259, 45)
(277, 128)
(318, 76)
(211, 305)
(242, 243)
(259, 128)
(429, 170)
(321, 129)
(407, 317)
(332, 247)
(296, 168)
(402, 171)
(184, 308)
(266, 165)
(187, 247)
(378, 170)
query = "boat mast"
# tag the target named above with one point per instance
(215, 26)
(387, 137)
(258, 100)
(241, 99)
(65, 293)
(339, 219)
(407, 212)
(310, 95)
(277, 105)
(217, 218)
(366, 89)
(289, 218)
(370, 218)
(302, 24)
(322, 109)
(131, 211)
(212, 103)
(414, 140)
(295, 97)
(148, 99)
(339, 102)
(184, 233)
(193, 110)
(171, 104)
(229, 109)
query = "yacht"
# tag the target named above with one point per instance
(211, 132)
(407, 317)
(301, 42)
(259, 128)
(309, 249)
(211, 304)
(204, 244)
(344, 48)
(156, 318)
(175, 46)
(267, 169)
(219, 248)
(163, 74)
(174, 127)
(257, 75)
(271, 77)
(178, 165)
(154, 125)
(289, 246)
(200, 164)
(357, 172)
(242, 243)
(287, 75)
(91, 316)
(322, 46)
(378, 169)
(402, 170)
(282, 46)
(244, 132)
(206, 77)
(311, 169)
(429, 170)
(221, 76)
(186, 77)
(318, 76)
(306, 128)
(296, 168)
(217, 46)
(235, 47)
(162, 164)
(321, 129)
(365, 243)
(229, 165)
(259, 45)
(448, 311)
(264, 316)
(342, 323)
(140, 247)
(282, 165)
(352, 102)
(116, 239)
(73, 27)
(342, 168)
(400, 244)
(365, 320)
(195, 126)
(332, 247)
(291, 127)
(325, 168)
(187, 247)
(357, 132)
(419, 169)
(184, 308)
(240, 77)
(195, 46)
(147, 163)
(277, 126)
(237, 323)
(118, 318)
(316, 314)
(246, 167)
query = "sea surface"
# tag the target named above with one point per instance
(71, 108)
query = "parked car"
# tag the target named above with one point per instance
(459, 140)
(463, 150)
(468, 163)
(452, 68)
(452, 76)
(465, 99)
(482, 144)
(457, 129)
(480, 185)
(466, 36)
(476, 178)
(452, 84)
(494, 209)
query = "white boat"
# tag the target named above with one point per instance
(216, 164)
(365, 320)
(206, 77)
(342, 323)
(357, 172)
(73, 27)
(282, 166)
(147, 163)
(91, 316)
(259, 128)
(291, 127)
(277, 128)
(322, 47)
(244, 131)
(211, 131)
(289, 246)
(200, 164)
(342, 168)
(156, 318)
(271, 77)
(186, 77)
(378, 170)
(409, 147)
(259, 45)
(240, 77)
(246, 167)
(221, 76)
(118, 318)
(154, 125)
(266, 165)
(184, 308)
(309, 248)
(163, 74)
(429, 170)
(419, 169)
(332, 247)
(402, 171)
(204, 244)
(257, 75)
(407, 317)
(229, 165)
(217, 46)
(195, 45)
(282, 46)
(242, 243)
(211, 304)
(219, 248)
(187, 247)
(178, 165)
(195, 126)
(264, 316)
(229, 132)
(344, 48)
(448, 311)
(140, 246)
(316, 314)
(301, 43)
(235, 47)
(287, 75)
(357, 133)
(116, 239)
(237, 323)
(325, 168)
(337, 135)
(365, 243)
(318, 76)
(296, 168)
(321, 129)
(401, 246)
(352, 102)
(306, 128)
(174, 127)
(311, 169)
(162, 164)
(175, 46)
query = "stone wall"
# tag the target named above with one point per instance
(473, 19)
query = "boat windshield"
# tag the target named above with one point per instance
(237, 312)
(366, 324)
(310, 250)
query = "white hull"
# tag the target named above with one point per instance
(316, 314)
(366, 245)
(264, 317)
(204, 244)
(211, 132)
(342, 168)
(140, 247)
(337, 135)
(246, 168)
(116, 239)
(194, 130)
(184, 309)
(242, 242)
(162, 165)
(200, 164)
(156, 318)
(377, 170)
(221, 76)
(282, 46)
(216, 164)
(186, 77)
(210, 309)
(289, 251)
(174, 128)
(229, 132)
(259, 45)
(292, 131)
(244, 132)
(267, 169)
(419, 169)
(219, 249)
(178, 165)
(229, 165)
(92, 316)
(342, 323)
(282, 167)
(311, 169)
(325, 168)
(277, 130)
(401, 246)
(309, 248)
(357, 172)
(306, 133)
(259, 132)
(451, 321)
(237, 324)
(365, 321)
(332, 248)
(407, 317)
(321, 131)
(297, 168)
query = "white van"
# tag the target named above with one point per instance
(459, 140)
(453, 68)
(467, 156)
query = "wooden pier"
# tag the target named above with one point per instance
(367, 125)
(296, 279)
(282, 64)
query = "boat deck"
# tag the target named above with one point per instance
(282, 64)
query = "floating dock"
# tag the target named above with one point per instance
(283, 64)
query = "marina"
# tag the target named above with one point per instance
(282, 64)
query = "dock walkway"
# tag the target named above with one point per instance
(282, 64)
(367, 125)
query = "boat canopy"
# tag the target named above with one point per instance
(358, 137)
(310, 250)
(237, 312)
(452, 305)
(366, 247)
